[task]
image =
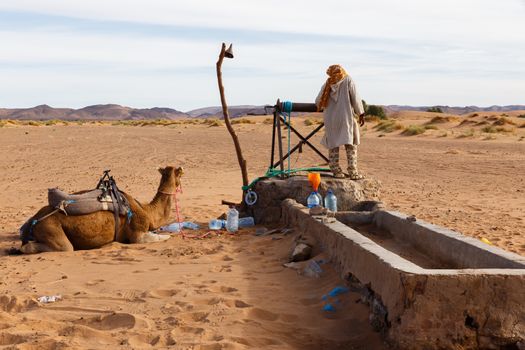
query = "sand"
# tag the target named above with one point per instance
(223, 292)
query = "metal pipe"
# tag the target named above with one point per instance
(298, 107)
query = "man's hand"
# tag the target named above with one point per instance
(362, 119)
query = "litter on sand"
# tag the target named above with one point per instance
(177, 226)
(46, 299)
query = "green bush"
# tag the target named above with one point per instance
(378, 111)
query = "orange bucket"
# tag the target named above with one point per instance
(315, 180)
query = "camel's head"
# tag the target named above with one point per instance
(171, 176)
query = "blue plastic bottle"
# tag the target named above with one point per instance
(313, 200)
(232, 220)
(217, 224)
(247, 221)
(330, 201)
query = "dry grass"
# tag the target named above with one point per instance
(466, 134)
(503, 121)
(505, 130)
(242, 121)
(521, 116)
(467, 122)
(268, 121)
(372, 118)
(215, 123)
(310, 122)
(489, 129)
(441, 119)
(412, 130)
(388, 126)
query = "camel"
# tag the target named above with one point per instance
(60, 232)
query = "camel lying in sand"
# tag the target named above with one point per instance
(60, 232)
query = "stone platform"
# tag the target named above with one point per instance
(427, 287)
(351, 195)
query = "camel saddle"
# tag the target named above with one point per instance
(85, 203)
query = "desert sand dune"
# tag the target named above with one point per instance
(227, 292)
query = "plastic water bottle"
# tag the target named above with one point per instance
(190, 225)
(313, 200)
(232, 220)
(217, 224)
(173, 227)
(330, 201)
(320, 199)
(246, 222)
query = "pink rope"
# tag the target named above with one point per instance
(179, 189)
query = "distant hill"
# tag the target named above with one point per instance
(233, 111)
(96, 112)
(117, 112)
(456, 110)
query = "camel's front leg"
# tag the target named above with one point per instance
(148, 237)
(145, 237)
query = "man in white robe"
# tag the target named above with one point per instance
(339, 100)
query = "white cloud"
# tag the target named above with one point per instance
(414, 52)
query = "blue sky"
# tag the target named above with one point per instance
(73, 53)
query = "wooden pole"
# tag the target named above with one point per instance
(240, 158)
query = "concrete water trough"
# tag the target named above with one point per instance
(428, 287)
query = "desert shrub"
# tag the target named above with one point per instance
(412, 130)
(52, 122)
(308, 122)
(489, 129)
(522, 125)
(34, 123)
(435, 110)
(431, 127)
(268, 121)
(521, 116)
(212, 122)
(468, 133)
(388, 126)
(242, 121)
(378, 111)
(215, 122)
(504, 130)
(467, 122)
(440, 119)
(483, 122)
(372, 118)
(503, 121)
(473, 115)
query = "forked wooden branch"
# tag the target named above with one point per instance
(240, 158)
